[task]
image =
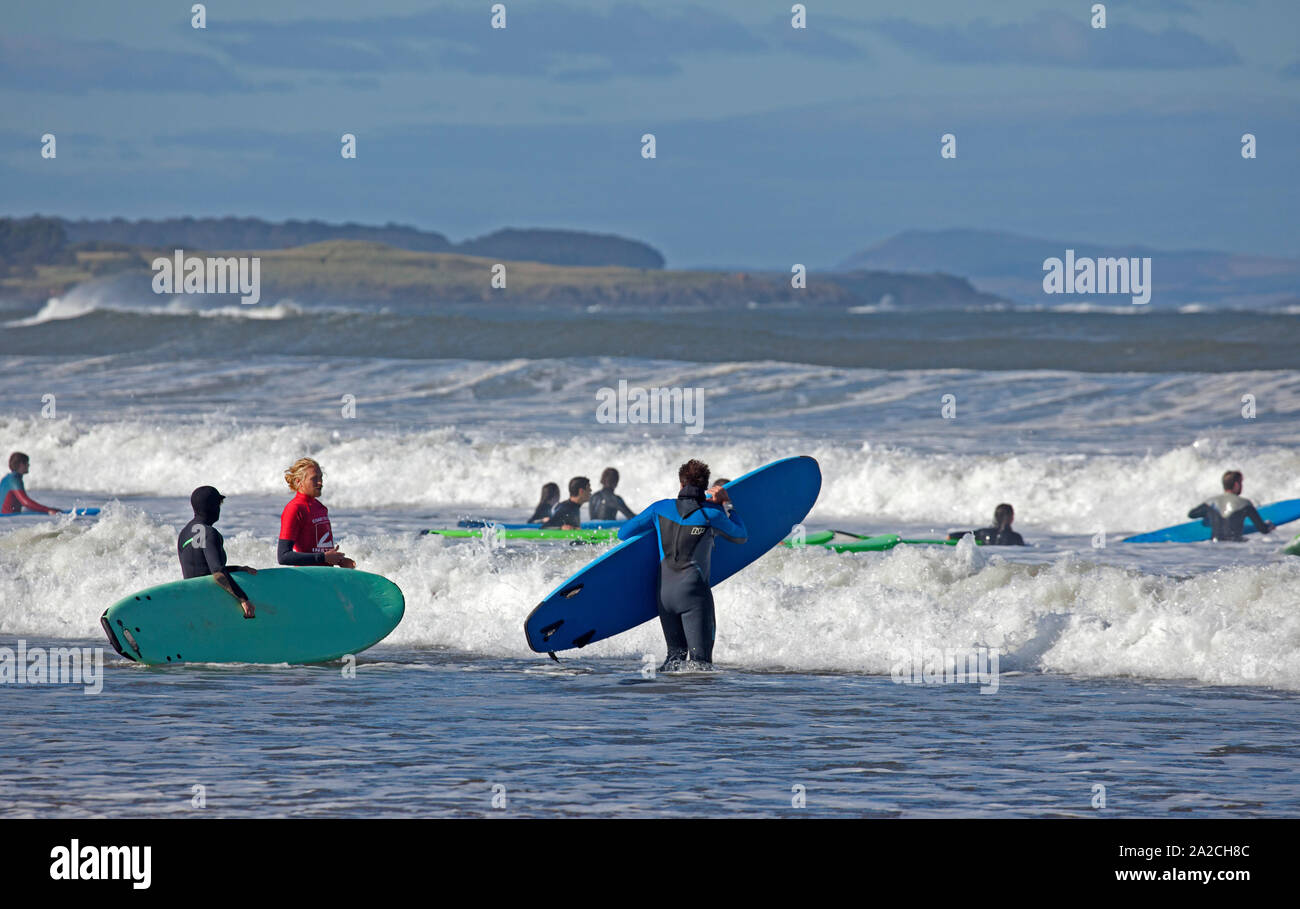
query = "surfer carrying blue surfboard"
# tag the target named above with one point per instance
(1226, 514)
(686, 527)
(202, 550)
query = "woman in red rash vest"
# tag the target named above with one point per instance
(305, 534)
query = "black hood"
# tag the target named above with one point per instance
(691, 492)
(206, 502)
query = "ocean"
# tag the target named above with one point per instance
(1167, 675)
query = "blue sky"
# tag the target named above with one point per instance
(774, 145)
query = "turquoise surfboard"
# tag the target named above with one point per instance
(618, 591)
(303, 615)
(87, 512)
(1279, 513)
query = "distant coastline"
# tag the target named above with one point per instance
(40, 259)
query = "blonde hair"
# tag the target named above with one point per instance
(293, 476)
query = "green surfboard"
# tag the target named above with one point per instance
(303, 615)
(1293, 548)
(585, 536)
(843, 541)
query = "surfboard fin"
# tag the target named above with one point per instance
(551, 654)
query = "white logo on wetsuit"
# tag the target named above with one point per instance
(696, 531)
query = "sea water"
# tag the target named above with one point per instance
(1134, 680)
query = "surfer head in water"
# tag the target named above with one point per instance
(607, 505)
(1000, 534)
(550, 495)
(686, 527)
(1226, 514)
(202, 550)
(306, 537)
(568, 514)
(13, 495)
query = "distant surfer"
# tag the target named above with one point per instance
(550, 495)
(686, 527)
(607, 505)
(202, 550)
(568, 514)
(1226, 514)
(1000, 534)
(13, 495)
(306, 537)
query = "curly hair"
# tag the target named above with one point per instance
(293, 476)
(694, 473)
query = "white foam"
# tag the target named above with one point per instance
(477, 471)
(804, 610)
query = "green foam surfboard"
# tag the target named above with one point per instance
(303, 615)
(585, 536)
(847, 542)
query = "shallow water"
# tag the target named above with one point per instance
(426, 733)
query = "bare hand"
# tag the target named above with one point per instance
(53, 511)
(250, 569)
(334, 557)
(719, 494)
(248, 609)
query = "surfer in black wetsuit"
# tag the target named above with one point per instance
(202, 550)
(686, 527)
(606, 505)
(568, 514)
(550, 495)
(1000, 534)
(1226, 514)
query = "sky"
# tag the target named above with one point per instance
(774, 145)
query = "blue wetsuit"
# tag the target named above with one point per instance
(14, 497)
(686, 527)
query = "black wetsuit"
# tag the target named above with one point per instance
(686, 528)
(992, 536)
(567, 512)
(606, 505)
(541, 514)
(1226, 516)
(202, 552)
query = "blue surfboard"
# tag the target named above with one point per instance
(41, 514)
(618, 591)
(1279, 513)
